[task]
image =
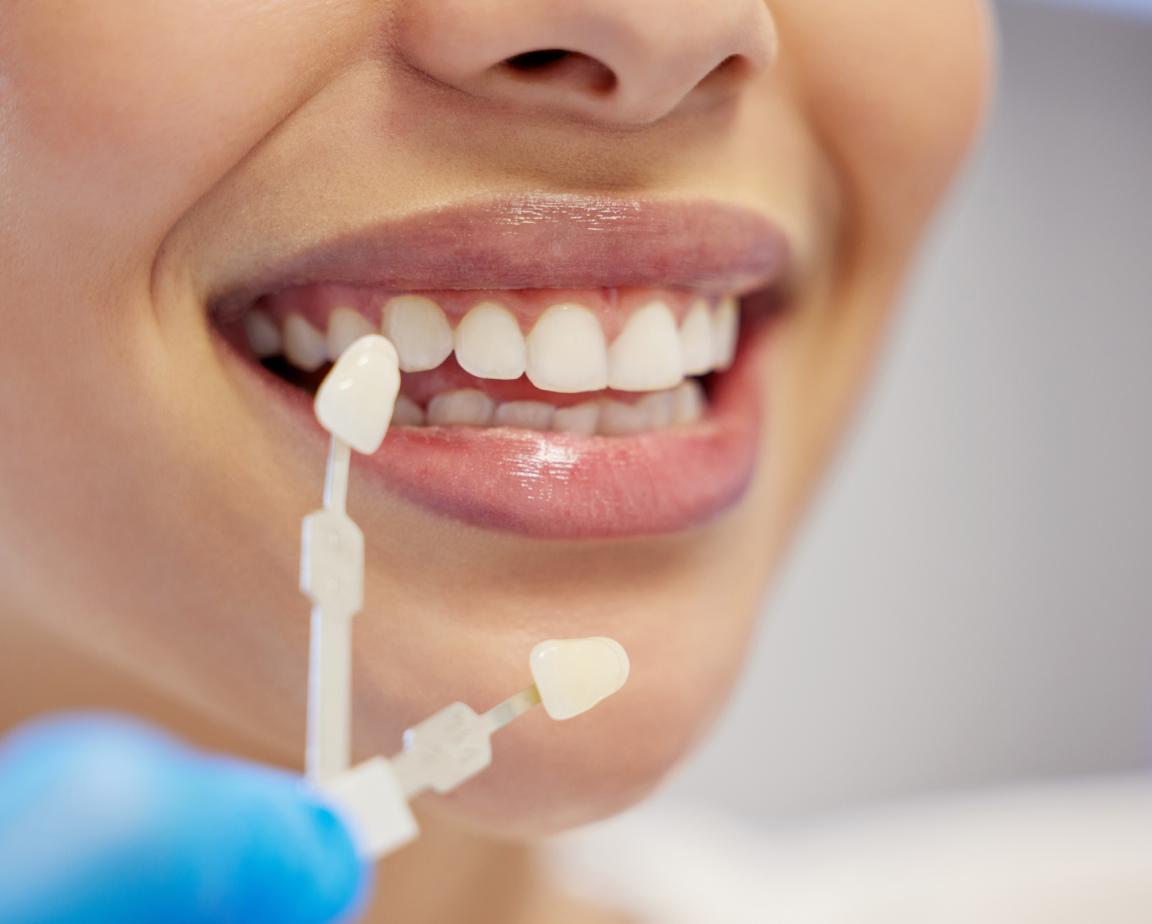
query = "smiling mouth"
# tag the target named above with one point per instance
(570, 369)
(468, 362)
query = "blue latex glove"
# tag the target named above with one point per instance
(104, 820)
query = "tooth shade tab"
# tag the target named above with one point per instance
(696, 351)
(645, 356)
(573, 675)
(356, 398)
(489, 343)
(566, 351)
(304, 346)
(263, 334)
(419, 330)
(345, 327)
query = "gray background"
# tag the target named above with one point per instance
(970, 602)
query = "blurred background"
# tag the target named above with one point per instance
(970, 602)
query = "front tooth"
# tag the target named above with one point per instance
(407, 413)
(305, 347)
(652, 412)
(263, 334)
(619, 419)
(345, 327)
(696, 339)
(420, 331)
(725, 330)
(566, 352)
(646, 354)
(689, 404)
(581, 419)
(530, 415)
(466, 407)
(489, 343)
(660, 407)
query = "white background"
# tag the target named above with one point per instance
(971, 600)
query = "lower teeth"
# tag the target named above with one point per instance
(676, 407)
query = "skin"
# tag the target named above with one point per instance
(151, 499)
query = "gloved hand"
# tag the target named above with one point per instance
(104, 820)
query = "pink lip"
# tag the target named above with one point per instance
(553, 485)
(541, 242)
(558, 486)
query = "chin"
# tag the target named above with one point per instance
(548, 776)
(684, 626)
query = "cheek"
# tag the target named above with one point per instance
(897, 89)
(125, 112)
(894, 91)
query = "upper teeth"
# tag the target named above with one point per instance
(345, 327)
(564, 352)
(489, 343)
(725, 329)
(696, 351)
(647, 354)
(304, 346)
(419, 330)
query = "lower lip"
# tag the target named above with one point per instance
(563, 486)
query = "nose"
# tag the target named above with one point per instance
(613, 61)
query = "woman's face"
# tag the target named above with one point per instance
(184, 184)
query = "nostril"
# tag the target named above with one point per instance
(560, 66)
(732, 70)
(534, 60)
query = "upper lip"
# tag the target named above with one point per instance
(552, 241)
